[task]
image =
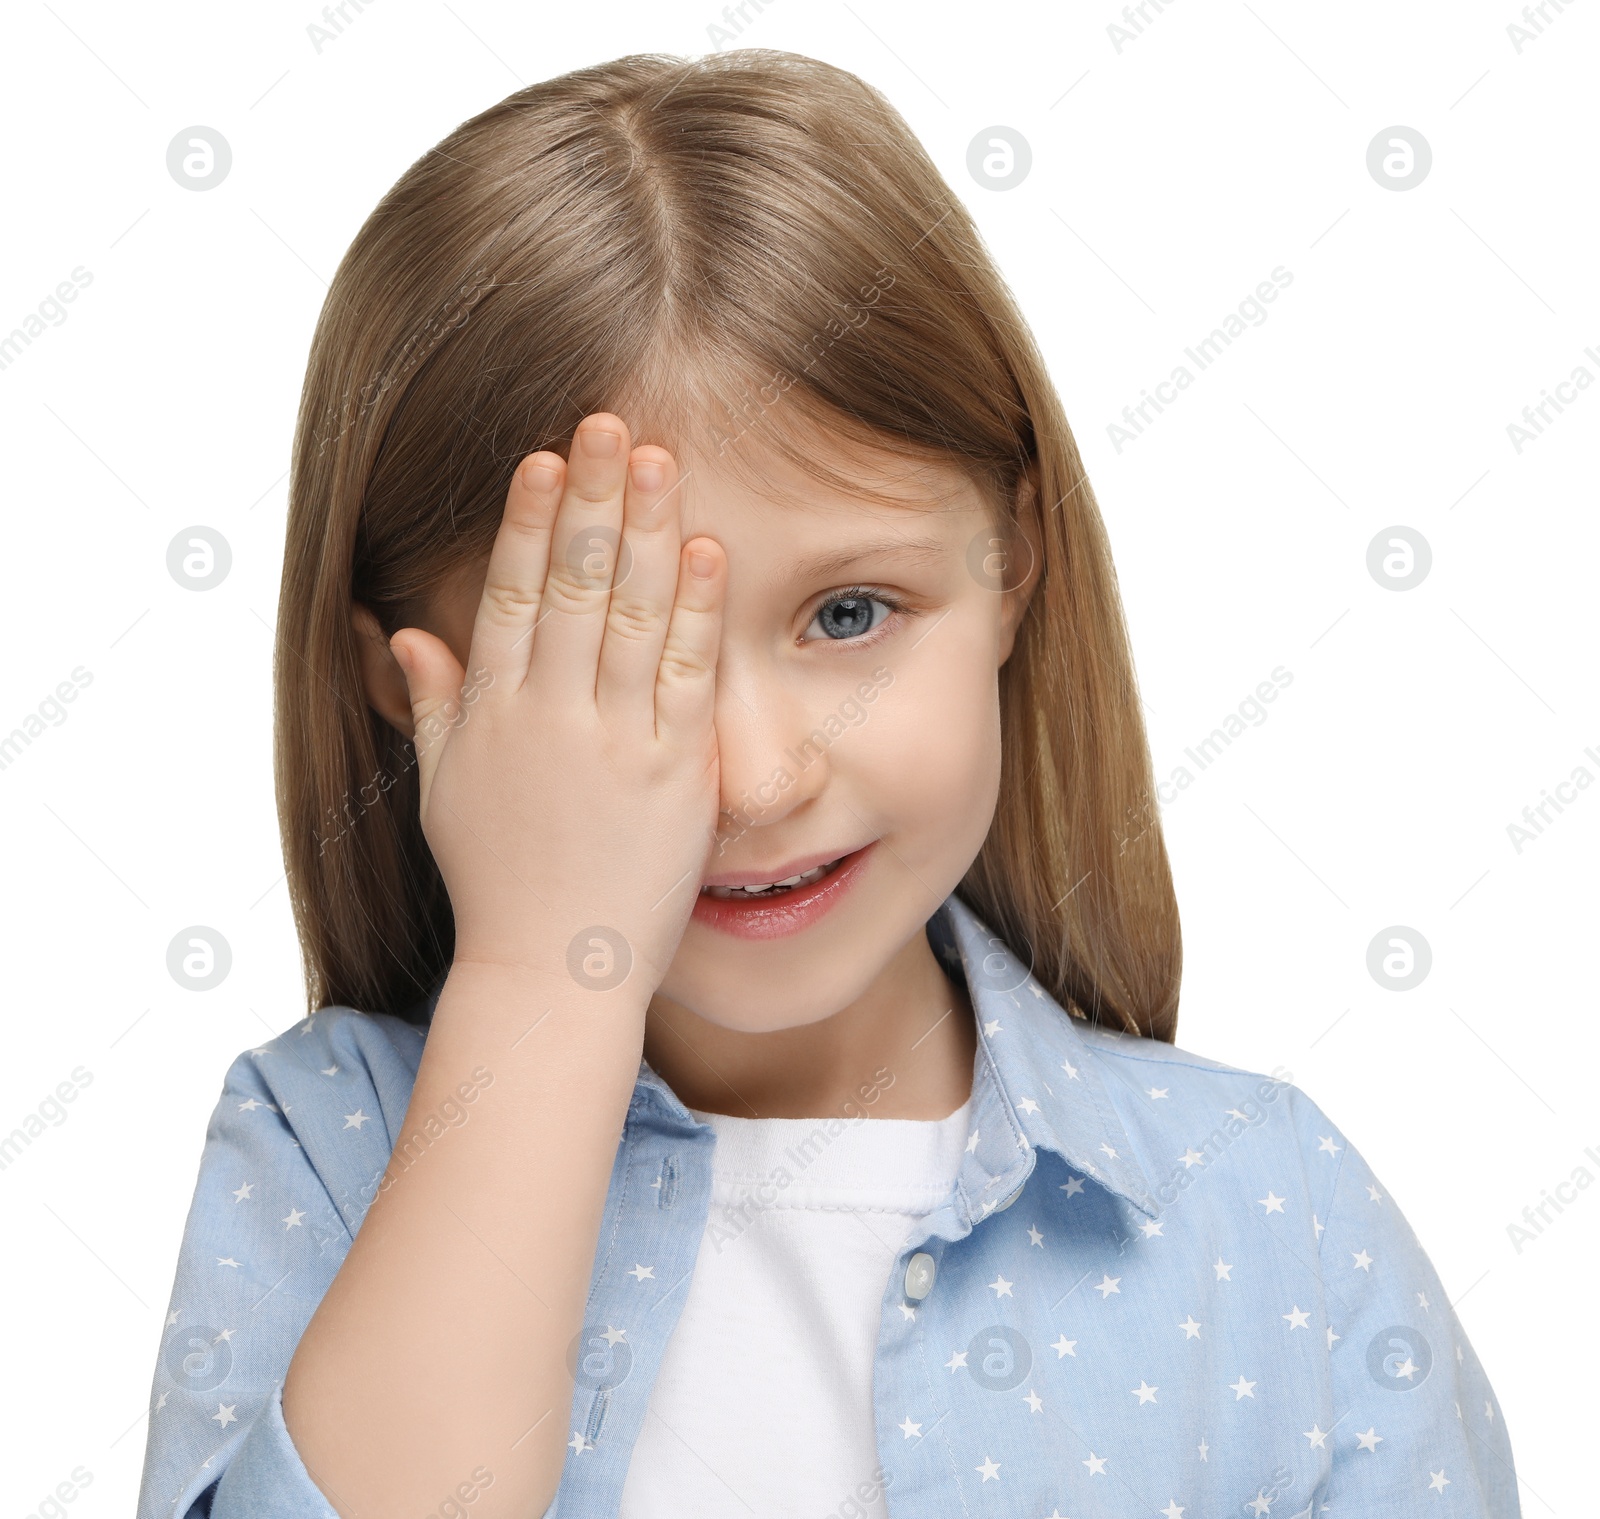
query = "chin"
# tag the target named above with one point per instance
(760, 1004)
(763, 985)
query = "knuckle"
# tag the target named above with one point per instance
(681, 666)
(526, 520)
(595, 491)
(508, 601)
(634, 618)
(568, 589)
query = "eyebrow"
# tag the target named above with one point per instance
(917, 550)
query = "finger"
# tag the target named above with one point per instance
(644, 587)
(686, 681)
(583, 553)
(513, 590)
(434, 680)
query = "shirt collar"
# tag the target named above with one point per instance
(1036, 1081)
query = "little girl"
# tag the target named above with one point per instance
(743, 965)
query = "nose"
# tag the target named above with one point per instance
(772, 766)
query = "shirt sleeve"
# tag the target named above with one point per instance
(262, 1242)
(1414, 1416)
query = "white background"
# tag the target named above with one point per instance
(1168, 179)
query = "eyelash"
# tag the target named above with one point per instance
(865, 593)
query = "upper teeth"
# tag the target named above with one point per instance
(805, 878)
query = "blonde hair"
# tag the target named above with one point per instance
(666, 239)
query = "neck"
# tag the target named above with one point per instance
(903, 1049)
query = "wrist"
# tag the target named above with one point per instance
(539, 984)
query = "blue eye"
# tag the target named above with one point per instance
(850, 615)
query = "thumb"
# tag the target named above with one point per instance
(434, 679)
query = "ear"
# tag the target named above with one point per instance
(1025, 562)
(381, 676)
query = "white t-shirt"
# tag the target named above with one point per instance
(763, 1404)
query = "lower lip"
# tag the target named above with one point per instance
(789, 913)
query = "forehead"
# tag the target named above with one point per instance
(754, 498)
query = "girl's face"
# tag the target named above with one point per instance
(857, 718)
(857, 714)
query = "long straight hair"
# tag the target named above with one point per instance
(678, 239)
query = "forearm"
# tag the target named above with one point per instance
(441, 1345)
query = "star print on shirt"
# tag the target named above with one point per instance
(1107, 1206)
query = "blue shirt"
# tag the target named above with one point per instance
(1161, 1286)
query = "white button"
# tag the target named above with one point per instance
(1008, 1202)
(919, 1276)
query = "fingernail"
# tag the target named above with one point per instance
(598, 443)
(538, 477)
(646, 474)
(701, 564)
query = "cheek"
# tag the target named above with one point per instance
(931, 748)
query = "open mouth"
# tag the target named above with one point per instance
(788, 905)
(772, 888)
